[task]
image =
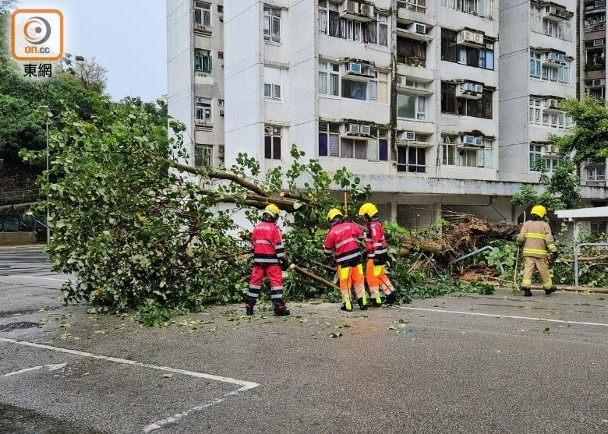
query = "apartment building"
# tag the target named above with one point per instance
(422, 100)
(592, 72)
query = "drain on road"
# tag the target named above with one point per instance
(18, 325)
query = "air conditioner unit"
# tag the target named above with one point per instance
(478, 88)
(365, 130)
(552, 103)
(402, 80)
(550, 10)
(599, 82)
(466, 37)
(350, 6)
(468, 140)
(468, 87)
(352, 129)
(551, 57)
(550, 149)
(367, 10)
(354, 68)
(407, 136)
(561, 57)
(598, 42)
(478, 141)
(419, 28)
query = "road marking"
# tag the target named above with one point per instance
(36, 368)
(35, 277)
(245, 385)
(159, 424)
(490, 315)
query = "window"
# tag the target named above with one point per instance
(202, 13)
(272, 91)
(202, 60)
(411, 159)
(329, 78)
(454, 153)
(202, 110)
(478, 57)
(483, 8)
(479, 108)
(203, 155)
(411, 106)
(535, 66)
(535, 111)
(272, 24)
(598, 228)
(411, 52)
(272, 82)
(330, 23)
(559, 71)
(558, 29)
(596, 171)
(272, 143)
(371, 148)
(536, 153)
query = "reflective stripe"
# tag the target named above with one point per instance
(346, 258)
(327, 252)
(276, 296)
(535, 235)
(381, 251)
(535, 251)
(552, 247)
(263, 242)
(265, 261)
(526, 282)
(346, 241)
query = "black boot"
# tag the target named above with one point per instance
(281, 310)
(550, 290)
(391, 298)
(527, 292)
(362, 303)
(249, 303)
(347, 306)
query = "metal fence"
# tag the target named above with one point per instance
(19, 196)
(22, 223)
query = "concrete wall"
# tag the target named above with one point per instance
(17, 238)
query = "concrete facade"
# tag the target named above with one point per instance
(422, 100)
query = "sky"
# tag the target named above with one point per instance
(127, 37)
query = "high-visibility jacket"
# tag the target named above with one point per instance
(537, 239)
(267, 243)
(344, 240)
(375, 243)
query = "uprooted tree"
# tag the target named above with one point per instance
(140, 230)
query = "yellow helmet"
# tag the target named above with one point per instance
(368, 210)
(333, 213)
(272, 210)
(539, 210)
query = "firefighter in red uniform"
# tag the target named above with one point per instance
(268, 259)
(342, 247)
(377, 255)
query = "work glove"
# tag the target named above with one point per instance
(551, 258)
(284, 264)
(380, 259)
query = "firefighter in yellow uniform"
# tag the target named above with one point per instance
(539, 250)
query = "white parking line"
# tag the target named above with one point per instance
(504, 316)
(35, 368)
(245, 385)
(12, 276)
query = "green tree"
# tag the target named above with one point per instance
(588, 137)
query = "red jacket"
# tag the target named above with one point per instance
(344, 240)
(375, 243)
(267, 244)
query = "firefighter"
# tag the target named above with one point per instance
(342, 248)
(268, 259)
(539, 250)
(377, 256)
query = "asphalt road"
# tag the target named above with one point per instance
(459, 364)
